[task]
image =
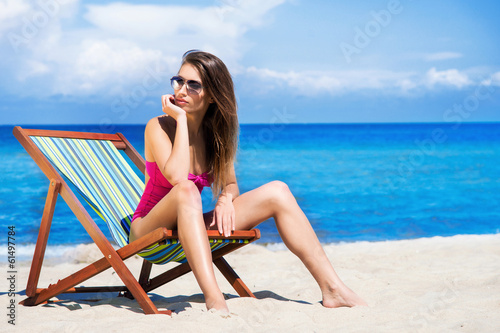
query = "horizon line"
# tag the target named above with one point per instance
(289, 123)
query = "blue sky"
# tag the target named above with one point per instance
(106, 62)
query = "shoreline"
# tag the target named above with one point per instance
(61, 253)
(425, 284)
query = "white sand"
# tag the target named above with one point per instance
(428, 285)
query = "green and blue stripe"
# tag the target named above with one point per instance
(110, 186)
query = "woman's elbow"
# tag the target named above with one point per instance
(175, 178)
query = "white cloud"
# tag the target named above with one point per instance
(385, 81)
(156, 23)
(10, 13)
(442, 56)
(120, 43)
(32, 68)
(176, 29)
(337, 82)
(230, 19)
(27, 18)
(111, 65)
(493, 80)
(450, 77)
(12, 8)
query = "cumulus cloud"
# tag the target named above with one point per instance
(119, 45)
(338, 82)
(31, 69)
(303, 81)
(493, 80)
(10, 12)
(111, 66)
(230, 19)
(47, 51)
(26, 18)
(450, 77)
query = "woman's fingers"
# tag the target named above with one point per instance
(213, 220)
(220, 224)
(230, 223)
(164, 103)
(169, 107)
(227, 225)
(217, 219)
(233, 221)
(225, 222)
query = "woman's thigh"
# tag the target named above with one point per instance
(249, 210)
(163, 214)
(256, 206)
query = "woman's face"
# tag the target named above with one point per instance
(188, 101)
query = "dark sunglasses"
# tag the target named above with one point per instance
(193, 87)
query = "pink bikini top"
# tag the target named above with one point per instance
(158, 186)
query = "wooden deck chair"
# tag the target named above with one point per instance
(93, 164)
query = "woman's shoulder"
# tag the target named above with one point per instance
(162, 122)
(161, 125)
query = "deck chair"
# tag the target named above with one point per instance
(93, 164)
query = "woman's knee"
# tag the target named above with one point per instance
(187, 193)
(278, 192)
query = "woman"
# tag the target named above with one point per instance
(194, 146)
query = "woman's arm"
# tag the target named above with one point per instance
(231, 190)
(172, 159)
(224, 214)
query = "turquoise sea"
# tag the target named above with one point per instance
(355, 182)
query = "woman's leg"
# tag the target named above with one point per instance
(275, 200)
(181, 209)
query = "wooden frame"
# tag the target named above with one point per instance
(111, 258)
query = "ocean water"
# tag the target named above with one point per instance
(355, 182)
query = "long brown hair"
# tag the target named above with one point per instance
(220, 124)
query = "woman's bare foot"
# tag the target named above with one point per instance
(341, 296)
(218, 304)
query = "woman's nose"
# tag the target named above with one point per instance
(183, 89)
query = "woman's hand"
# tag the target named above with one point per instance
(224, 215)
(169, 107)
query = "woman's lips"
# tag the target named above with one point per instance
(180, 101)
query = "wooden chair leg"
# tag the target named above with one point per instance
(218, 260)
(145, 272)
(143, 278)
(168, 276)
(68, 284)
(43, 236)
(233, 278)
(133, 285)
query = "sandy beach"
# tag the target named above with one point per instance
(429, 285)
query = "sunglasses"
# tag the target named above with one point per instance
(193, 87)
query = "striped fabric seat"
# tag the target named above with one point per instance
(110, 186)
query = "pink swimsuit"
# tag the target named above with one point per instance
(158, 186)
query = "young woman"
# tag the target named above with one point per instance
(194, 145)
